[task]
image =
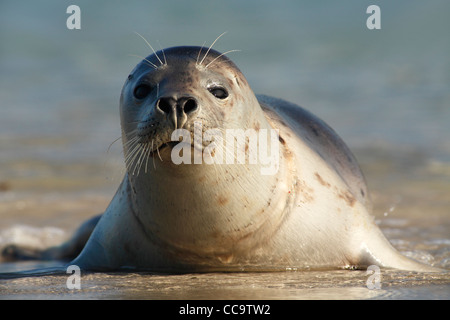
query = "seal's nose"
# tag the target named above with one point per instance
(177, 110)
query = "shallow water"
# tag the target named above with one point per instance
(386, 92)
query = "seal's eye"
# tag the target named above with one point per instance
(142, 91)
(219, 92)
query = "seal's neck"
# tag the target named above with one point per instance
(215, 208)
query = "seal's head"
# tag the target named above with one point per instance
(174, 88)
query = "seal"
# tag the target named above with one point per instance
(182, 208)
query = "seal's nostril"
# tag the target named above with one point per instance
(165, 104)
(183, 105)
(190, 105)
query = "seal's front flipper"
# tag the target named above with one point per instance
(52, 271)
(14, 252)
(65, 251)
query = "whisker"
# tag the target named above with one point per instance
(150, 47)
(107, 151)
(132, 155)
(148, 156)
(133, 162)
(220, 56)
(130, 148)
(154, 166)
(144, 151)
(146, 60)
(137, 162)
(129, 145)
(210, 47)
(129, 164)
(164, 55)
(131, 141)
(201, 49)
(157, 149)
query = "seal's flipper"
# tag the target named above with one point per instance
(66, 251)
(51, 271)
(375, 249)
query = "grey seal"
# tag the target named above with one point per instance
(311, 211)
